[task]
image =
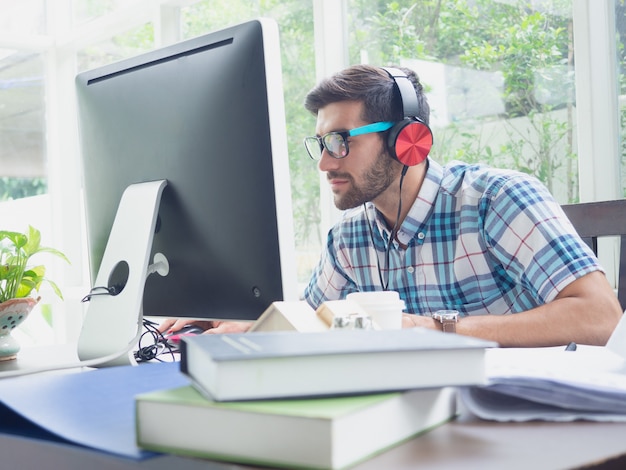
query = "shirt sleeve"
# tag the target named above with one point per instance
(532, 238)
(328, 281)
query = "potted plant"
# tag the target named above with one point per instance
(19, 281)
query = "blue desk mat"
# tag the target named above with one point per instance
(92, 408)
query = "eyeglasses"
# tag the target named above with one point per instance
(336, 143)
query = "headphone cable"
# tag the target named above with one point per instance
(392, 235)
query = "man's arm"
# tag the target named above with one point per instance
(586, 312)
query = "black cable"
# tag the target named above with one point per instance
(158, 346)
(392, 235)
(100, 290)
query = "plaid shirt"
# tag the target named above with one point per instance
(478, 240)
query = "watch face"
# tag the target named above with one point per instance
(446, 315)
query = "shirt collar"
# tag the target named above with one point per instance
(416, 221)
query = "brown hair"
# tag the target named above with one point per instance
(371, 85)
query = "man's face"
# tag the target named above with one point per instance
(367, 171)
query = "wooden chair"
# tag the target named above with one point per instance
(593, 220)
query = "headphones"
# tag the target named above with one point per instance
(409, 140)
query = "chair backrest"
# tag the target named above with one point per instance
(600, 219)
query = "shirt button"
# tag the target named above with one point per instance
(421, 235)
(410, 269)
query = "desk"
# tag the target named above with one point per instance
(466, 443)
(40, 357)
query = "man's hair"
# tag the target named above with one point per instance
(373, 87)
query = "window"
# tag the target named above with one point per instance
(506, 82)
(620, 71)
(499, 77)
(22, 106)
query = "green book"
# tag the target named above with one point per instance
(320, 433)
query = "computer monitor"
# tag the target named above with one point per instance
(206, 116)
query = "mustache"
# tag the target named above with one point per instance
(333, 174)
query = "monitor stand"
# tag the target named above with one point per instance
(113, 321)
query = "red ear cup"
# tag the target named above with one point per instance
(410, 141)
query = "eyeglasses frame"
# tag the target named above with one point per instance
(372, 128)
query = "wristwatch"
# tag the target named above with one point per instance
(448, 319)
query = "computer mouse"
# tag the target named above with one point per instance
(188, 330)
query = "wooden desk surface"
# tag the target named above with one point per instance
(470, 443)
(467, 443)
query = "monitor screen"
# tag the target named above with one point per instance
(207, 116)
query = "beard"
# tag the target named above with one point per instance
(375, 180)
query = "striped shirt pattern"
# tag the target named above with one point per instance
(478, 240)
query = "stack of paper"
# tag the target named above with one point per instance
(551, 384)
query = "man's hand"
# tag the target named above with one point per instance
(228, 327)
(172, 325)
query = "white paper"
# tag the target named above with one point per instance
(550, 384)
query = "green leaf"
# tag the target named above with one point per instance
(18, 240)
(17, 278)
(33, 241)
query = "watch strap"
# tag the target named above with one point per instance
(448, 320)
(448, 326)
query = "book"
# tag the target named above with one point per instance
(550, 384)
(321, 433)
(279, 364)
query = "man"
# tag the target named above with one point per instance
(491, 244)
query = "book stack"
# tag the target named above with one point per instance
(324, 399)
